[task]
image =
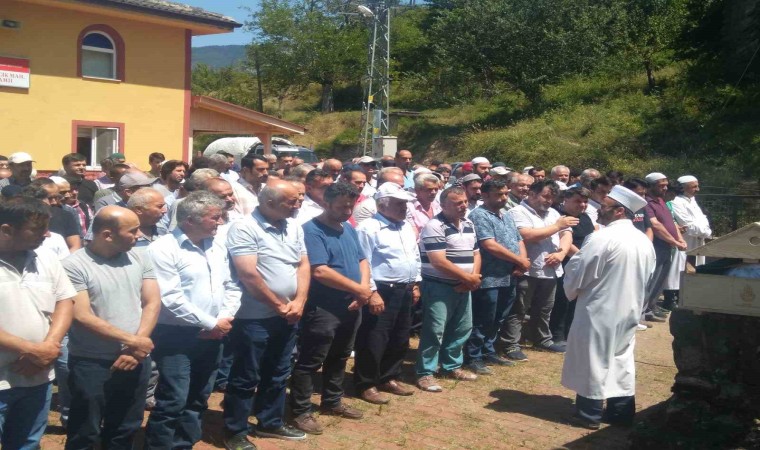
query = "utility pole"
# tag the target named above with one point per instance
(376, 102)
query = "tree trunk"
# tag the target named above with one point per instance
(328, 103)
(260, 103)
(650, 74)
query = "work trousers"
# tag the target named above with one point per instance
(107, 406)
(538, 303)
(446, 326)
(382, 340)
(326, 339)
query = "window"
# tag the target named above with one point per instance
(100, 53)
(97, 143)
(98, 56)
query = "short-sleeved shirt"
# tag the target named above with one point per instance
(580, 232)
(460, 244)
(338, 250)
(657, 208)
(114, 287)
(27, 304)
(527, 217)
(501, 227)
(278, 253)
(641, 220)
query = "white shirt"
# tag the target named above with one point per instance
(364, 210)
(687, 213)
(230, 176)
(309, 210)
(592, 210)
(608, 277)
(195, 281)
(56, 244)
(27, 304)
(391, 250)
(527, 217)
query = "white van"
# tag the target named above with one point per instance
(240, 146)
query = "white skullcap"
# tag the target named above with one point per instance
(687, 179)
(480, 160)
(627, 198)
(654, 177)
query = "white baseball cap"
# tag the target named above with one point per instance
(393, 190)
(20, 157)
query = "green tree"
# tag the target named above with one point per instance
(230, 84)
(308, 41)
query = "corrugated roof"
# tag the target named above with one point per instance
(170, 9)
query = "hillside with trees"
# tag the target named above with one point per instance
(635, 85)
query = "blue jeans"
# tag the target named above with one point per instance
(225, 365)
(23, 416)
(619, 411)
(107, 407)
(187, 369)
(446, 326)
(262, 349)
(490, 307)
(62, 379)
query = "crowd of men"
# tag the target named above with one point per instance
(148, 290)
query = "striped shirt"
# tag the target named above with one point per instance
(460, 245)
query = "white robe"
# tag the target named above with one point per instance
(608, 277)
(687, 213)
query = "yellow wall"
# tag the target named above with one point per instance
(150, 103)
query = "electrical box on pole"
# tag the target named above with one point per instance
(376, 103)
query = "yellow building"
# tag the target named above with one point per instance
(108, 76)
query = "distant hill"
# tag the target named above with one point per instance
(218, 55)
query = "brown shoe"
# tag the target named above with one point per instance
(461, 375)
(371, 395)
(395, 388)
(308, 424)
(342, 410)
(428, 383)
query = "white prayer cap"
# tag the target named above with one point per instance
(655, 177)
(496, 171)
(627, 198)
(366, 160)
(687, 179)
(480, 160)
(393, 190)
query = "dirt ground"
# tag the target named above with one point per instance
(516, 407)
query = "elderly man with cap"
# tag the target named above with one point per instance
(480, 167)
(500, 173)
(389, 243)
(608, 277)
(20, 164)
(131, 181)
(667, 237)
(369, 166)
(688, 214)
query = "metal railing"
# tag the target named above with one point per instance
(729, 212)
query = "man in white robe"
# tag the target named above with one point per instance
(608, 277)
(688, 214)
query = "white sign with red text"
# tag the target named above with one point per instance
(14, 72)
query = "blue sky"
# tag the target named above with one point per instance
(231, 8)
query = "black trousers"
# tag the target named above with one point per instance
(562, 313)
(382, 340)
(326, 339)
(619, 411)
(106, 407)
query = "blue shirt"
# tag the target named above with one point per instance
(196, 285)
(391, 250)
(496, 272)
(339, 250)
(278, 253)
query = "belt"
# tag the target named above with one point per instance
(408, 285)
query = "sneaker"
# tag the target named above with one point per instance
(551, 348)
(285, 432)
(308, 424)
(654, 318)
(641, 327)
(239, 442)
(342, 410)
(661, 313)
(496, 360)
(517, 355)
(429, 383)
(461, 375)
(478, 367)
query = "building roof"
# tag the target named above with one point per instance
(170, 10)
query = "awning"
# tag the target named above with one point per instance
(212, 116)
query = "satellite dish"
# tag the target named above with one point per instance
(366, 12)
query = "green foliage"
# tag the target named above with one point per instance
(226, 83)
(218, 56)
